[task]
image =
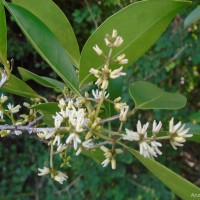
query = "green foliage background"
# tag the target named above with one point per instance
(172, 63)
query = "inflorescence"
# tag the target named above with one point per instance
(80, 125)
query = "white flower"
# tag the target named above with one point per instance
(131, 135)
(114, 33)
(107, 41)
(119, 106)
(4, 77)
(61, 148)
(178, 134)
(97, 94)
(156, 128)
(146, 150)
(117, 73)
(60, 177)
(18, 132)
(62, 104)
(45, 134)
(118, 42)
(3, 99)
(88, 143)
(43, 171)
(142, 129)
(1, 114)
(140, 134)
(121, 59)
(75, 138)
(57, 140)
(70, 104)
(95, 72)
(123, 113)
(13, 109)
(77, 119)
(155, 145)
(58, 119)
(97, 50)
(110, 156)
(105, 162)
(104, 85)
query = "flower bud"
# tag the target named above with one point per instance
(114, 33)
(118, 41)
(98, 50)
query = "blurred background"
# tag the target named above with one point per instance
(173, 63)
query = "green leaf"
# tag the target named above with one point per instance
(46, 44)
(148, 96)
(193, 17)
(48, 110)
(180, 186)
(195, 130)
(18, 87)
(3, 35)
(96, 154)
(140, 25)
(42, 80)
(51, 15)
(114, 90)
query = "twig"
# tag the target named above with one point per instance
(29, 129)
(91, 13)
(109, 119)
(35, 121)
(171, 60)
(69, 186)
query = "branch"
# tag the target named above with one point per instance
(29, 129)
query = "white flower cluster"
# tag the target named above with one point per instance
(75, 122)
(106, 73)
(98, 94)
(11, 109)
(177, 134)
(57, 176)
(148, 146)
(110, 156)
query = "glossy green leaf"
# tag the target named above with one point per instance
(42, 80)
(180, 186)
(193, 17)
(140, 25)
(51, 15)
(48, 110)
(46, 44)
(3, 35)
(20, 88)
(148, 96)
